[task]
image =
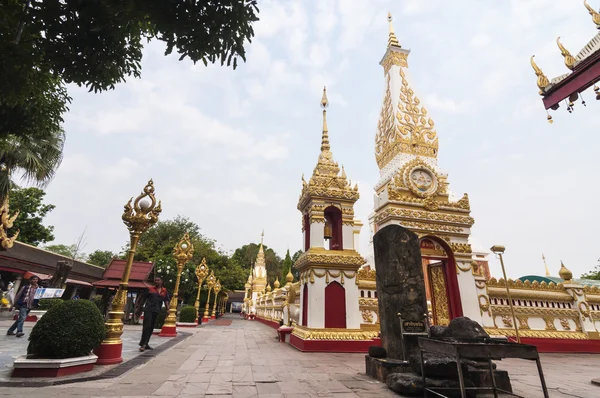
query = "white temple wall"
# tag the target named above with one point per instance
(316, 303)
(348, 237)
(468, 292)
(317, 234)
(353, 316)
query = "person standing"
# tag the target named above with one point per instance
(24, 302)
(154, 298)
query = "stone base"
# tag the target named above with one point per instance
(187, 324)
(380, 368)
(284, 333)
(24, 367)
(168, 331)
(109, 354)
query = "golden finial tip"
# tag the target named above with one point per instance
(324, 101)
(389, 17)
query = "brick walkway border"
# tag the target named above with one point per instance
(117, 371)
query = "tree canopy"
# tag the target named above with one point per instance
(45, 45)
(246, 256)
(71, 251)
(594, 274)
(32, 210)
(101, 258)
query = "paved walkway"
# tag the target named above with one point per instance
(245, 360)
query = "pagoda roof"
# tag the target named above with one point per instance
(584, 72)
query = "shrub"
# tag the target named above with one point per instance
(46, 304)
(187, 314)
(160, 319)
(70, 329)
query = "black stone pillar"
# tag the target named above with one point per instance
(400, 288)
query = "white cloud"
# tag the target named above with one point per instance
(227, 148)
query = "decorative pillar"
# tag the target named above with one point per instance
(201, 272)
(217, 289)
(210, 283)
(183, 253)
(138, 218)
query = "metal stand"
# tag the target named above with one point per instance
(403, 332)
(479, 350)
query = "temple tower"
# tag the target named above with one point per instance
(413, 192)
(259, 273)
(328, 267)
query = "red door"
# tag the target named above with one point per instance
(335, 306)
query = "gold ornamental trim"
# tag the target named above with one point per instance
(535, 311)
(572, 335)
(327, 259)
(309, 275)
(6, 223)
(365, 303)
(394, 212)
(394, 58)
(333, 334)
(524, 294)
(410, 130)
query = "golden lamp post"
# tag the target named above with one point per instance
(201, 272)
(210, 283)
(183, 252)
(217, 289)
(138, 217)
(499, 250)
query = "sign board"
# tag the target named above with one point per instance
(42, 293)
(410, 327)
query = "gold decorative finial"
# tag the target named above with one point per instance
(325, 138)
(277, 284)
(546, 265)
(289, 278)
(542, 80)
(262, 237)
(393, 40)
(595, 14)
(6, 223)
(569, 59)
(269, 288)
(564, 273)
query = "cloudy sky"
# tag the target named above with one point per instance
(227, 148)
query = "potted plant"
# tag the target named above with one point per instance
(61, 343)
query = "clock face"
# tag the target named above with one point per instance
(422, 180)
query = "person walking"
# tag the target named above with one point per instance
(153, 299)
(24, 302)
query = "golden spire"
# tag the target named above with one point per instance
(392, 41)
(325, 138)
(595, 14)
(546, 265)
(277, 284)
(564, 273)
(262, 237)
(269, 288)
(569, 59)
(542, 80)
(289, 278)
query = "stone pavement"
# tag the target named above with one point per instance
(12, 347)
(245, 360)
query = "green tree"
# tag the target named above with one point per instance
(295, 258)
(47, 44)
(71, 251)
(594, 274)
(32, 210)
(157, 245)
(246, 256)
(101, 258)
(35, 160)
(287, 264)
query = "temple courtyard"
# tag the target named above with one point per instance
(239, 358)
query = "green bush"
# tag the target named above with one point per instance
(46, 304)
(160, 319)
(187, 314)
(70, 329)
